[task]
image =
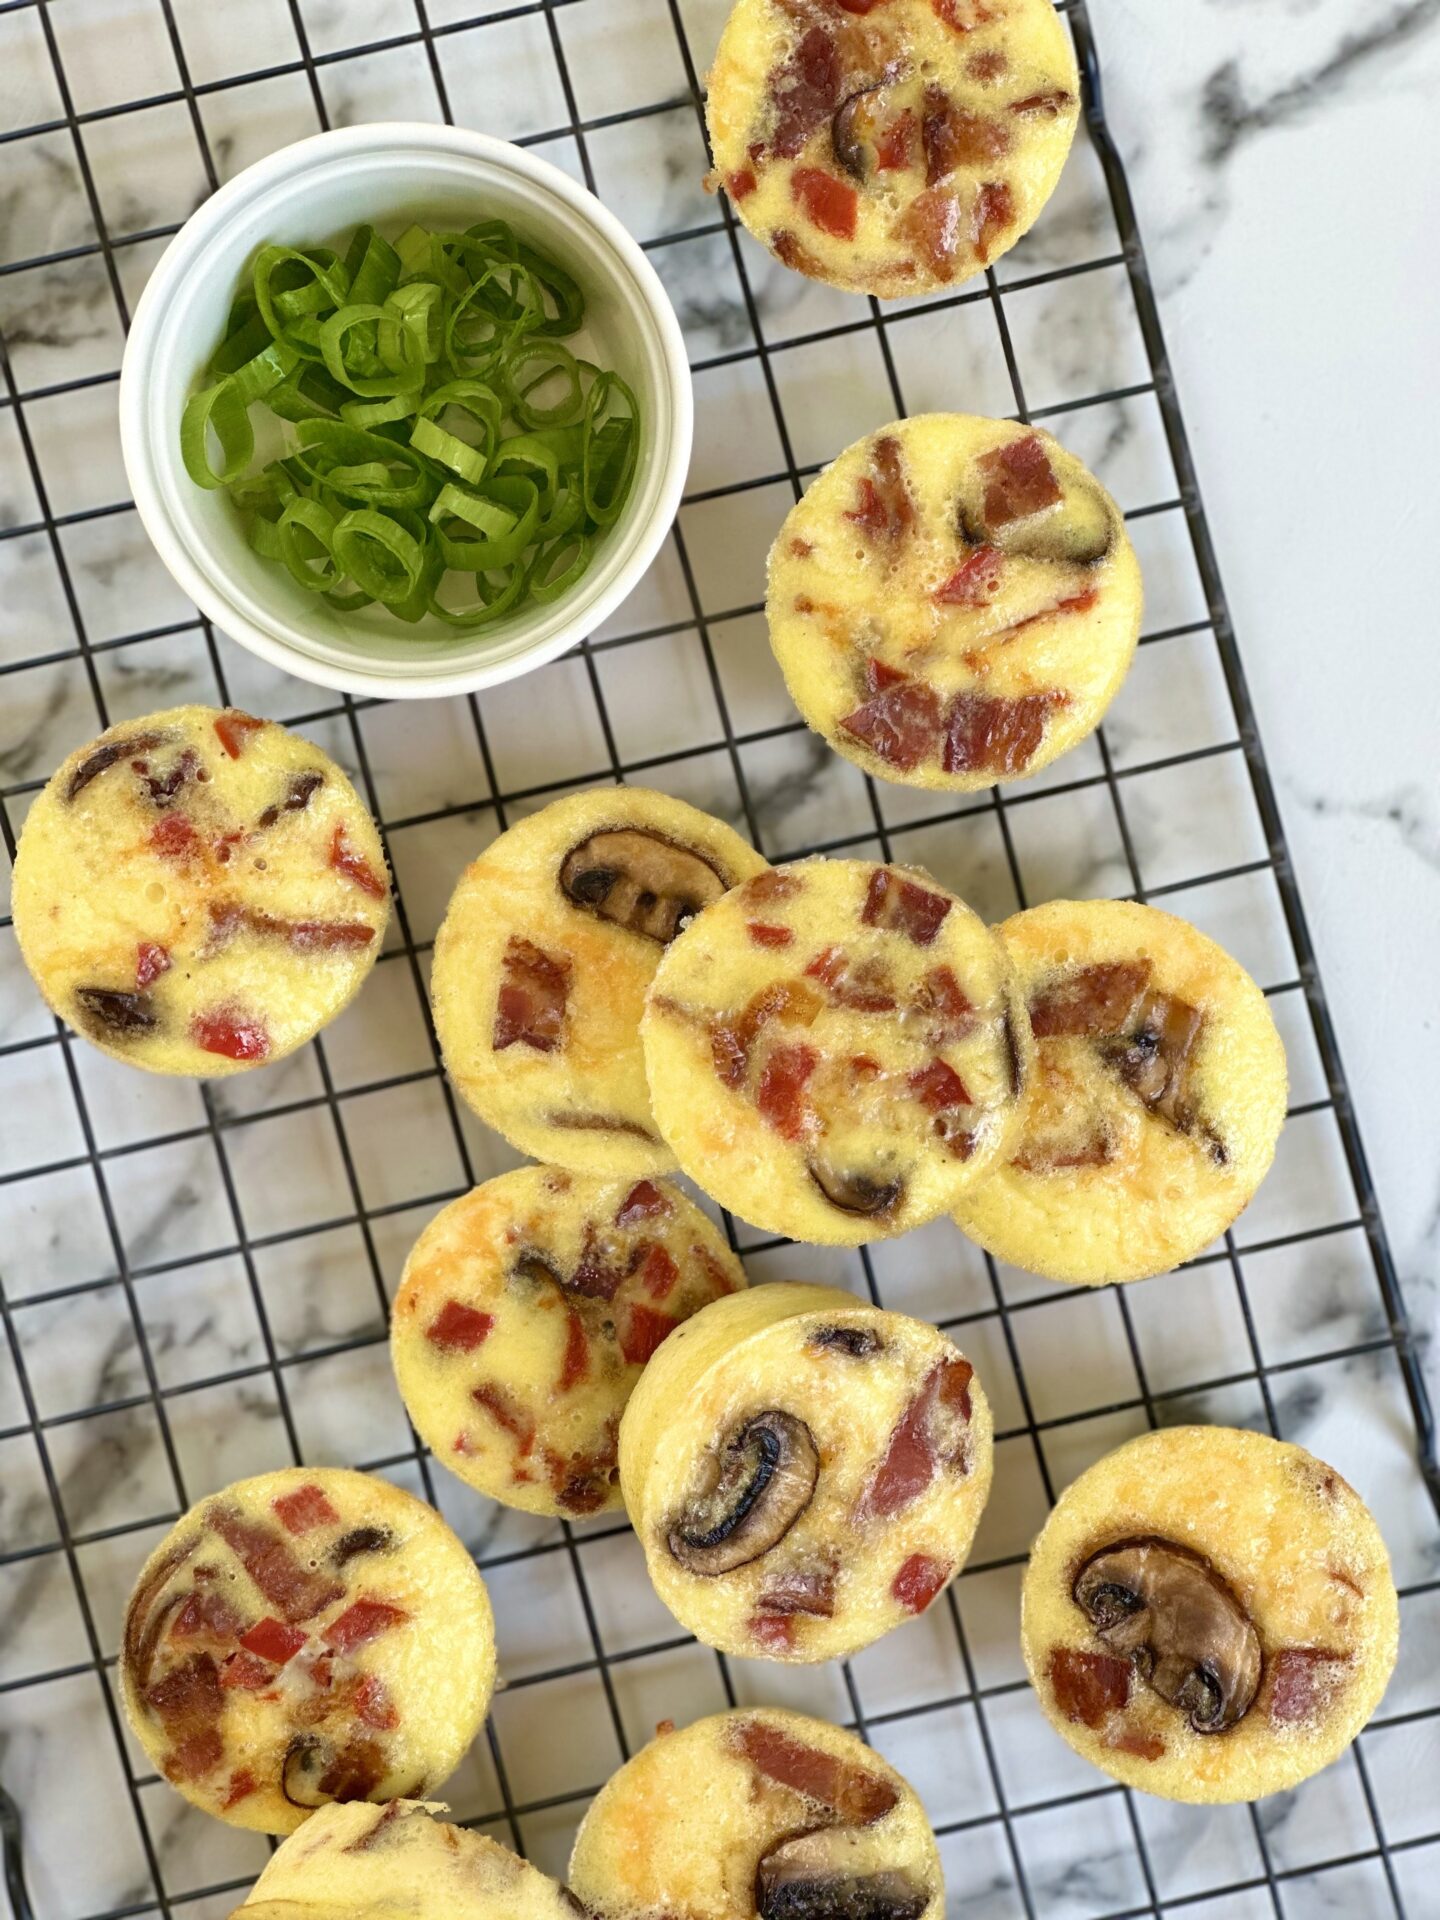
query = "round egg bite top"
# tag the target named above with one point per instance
(1209, 1614)
(834, 1052)
(954, 602)
(1158, 1094)
(525, 1315)
(399, 1862)
(757, 1811)
(805, 1471)
(199, 891)
(306, 1636)
(548, 945)
(892, 146)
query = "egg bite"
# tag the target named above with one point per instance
(1158, 1094)
(399, 1862)
(541, 966)
(524, 1316)
(1209, 1614)
(199, 892)
(308, 1636)
(804, 1471)
(836, 1050)
(955, 602)
(757, 1812)
(892, 147)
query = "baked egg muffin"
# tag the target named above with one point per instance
(525, 1315)
(805, 1471)
(1209, 1615)
(892, 146)
(308, 1636)
(1158, 1094)
(954, 602)
(836, 1050)
(757, 1812)
(199, 892)
(548, 946)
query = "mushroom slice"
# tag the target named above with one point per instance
(1155, 1056)
(1080, 534)
(113, 1014)
(640, 880)
(852, 133)
(756, 1484)
(308, 1759)
(1179, 1624)
(856, 1192)
(820, 1876)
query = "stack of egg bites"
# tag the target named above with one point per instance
(835, 1051)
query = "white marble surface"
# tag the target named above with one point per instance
(1274, 146)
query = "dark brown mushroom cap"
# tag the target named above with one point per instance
(640, 880)
(1177, 1621)
(308, 1759)
(815, 1876)
(851, 133)
(757, 1482)
(855, 1192)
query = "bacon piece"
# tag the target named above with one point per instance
(741, 184)
(962, 16)
(954, 137)
(781, 1093)
(930, 226)
(194, 1755)
(854, 1795)
(364, 1620)
(773, 1631)
(209, 1613)
(228, 918)
(246, 1671)
(151, 960)
(234, 728)
(1153, 1059)
(305, 1509)
(1091, 1001)
(808, 1590)
(867, 987)
(352, 863)
(145, 1618)
(1097, 1149)
(1051, 104)
(376, 1708)
(1075, 603)
(356, 1773)
(763, 934)
(770, 887)
(596, 1277)
(731, 1040)
(582, 1482)
(641, 1331)
(1145, 1746)
(988, 733)
(296, 1592)
(829, 203)
(242, 1784)
(918, 1444)
(993, 212)
(859, 6)
(919, 1580)
(645, 1201)
(274, 1640)
(187, 1700)
(941, 1003)
(1088, 1687)
(805, 90)
(1019, 482)
(895, 146)
(459, 1329)
(231, 1033)
(884, 508)
(901, 726)
(163, 787)
(658, 1273)
(530, 1007)
(987, 65)
(173, 837)
(576, 1364)
(1303, 1681)
(300, 790)
(508, 1415)
(900, 906)
(795, 253)
(719, 1280)
(938, 1087)
(879, 676)
(975, 581)
(110, 754)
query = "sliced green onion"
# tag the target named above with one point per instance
(220, 410)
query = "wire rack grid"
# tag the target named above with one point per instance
(135, 1352)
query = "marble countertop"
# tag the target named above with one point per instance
(1273, 146)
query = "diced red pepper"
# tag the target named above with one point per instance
(151, 960)
(274, 1640)
(576, 1364)
(919, 1580)
(658, 1273)
(963, 16)
(352, 863)
(242, 1784)
(233, 728)
(895, 146)
(305, 1509)
(987, 733)
(830, 203)
(361, 1622)
(644, 1201)
(938, 1086)
(1145, 1746)
(781, 1093)
(1088, 1687)
(246, 1671)
(459, 1329)
(231, 1033)
(642, 1331)
(899, 905)
(852, 1793)
(376, 1708)
(901, 726)
(773, 1631)
(987, 65)
(765, 935)
(1019, 481)
(741, 184)
(975, 581)
(173, 837)
(534, 992)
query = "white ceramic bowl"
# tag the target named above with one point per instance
(316, 191)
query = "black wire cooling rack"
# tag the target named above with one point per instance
(1017, 1886)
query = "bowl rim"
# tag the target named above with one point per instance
(207, 588)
